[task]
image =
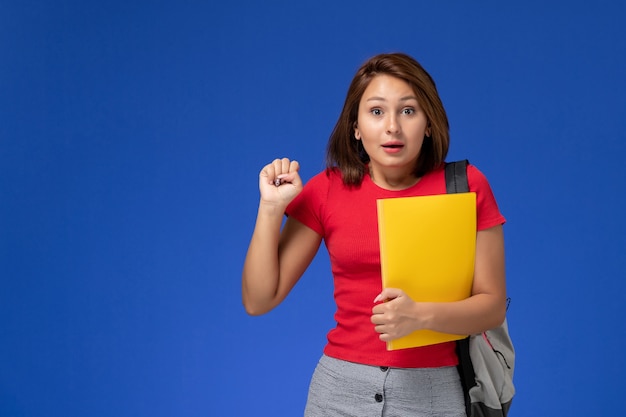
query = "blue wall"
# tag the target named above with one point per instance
(131, 136)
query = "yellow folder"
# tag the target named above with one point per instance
(427, 249)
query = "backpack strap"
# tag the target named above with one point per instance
(456, 182)
(456, 177)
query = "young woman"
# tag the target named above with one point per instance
(391, 140)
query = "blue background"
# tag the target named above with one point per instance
(131, 137)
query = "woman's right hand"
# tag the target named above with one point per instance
(277, 256)
(285, 173)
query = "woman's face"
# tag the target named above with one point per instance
(391, 125)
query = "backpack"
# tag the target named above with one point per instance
(486, 360)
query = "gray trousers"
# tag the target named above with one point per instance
(340, 388)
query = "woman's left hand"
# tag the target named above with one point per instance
(396, 315)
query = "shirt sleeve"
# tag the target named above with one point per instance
(487, 211)
(308, 206)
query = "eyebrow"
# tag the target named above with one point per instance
(405, 98)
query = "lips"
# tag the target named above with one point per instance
(391, 147)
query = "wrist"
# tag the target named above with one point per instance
(425, 315)
(271, 208)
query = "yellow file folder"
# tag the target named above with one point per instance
(427, 249)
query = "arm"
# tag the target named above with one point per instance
(483, 310)
(276, 260)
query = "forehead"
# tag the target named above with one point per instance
(387, 86)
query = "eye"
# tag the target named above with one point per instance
(376, 112)
(408, 110)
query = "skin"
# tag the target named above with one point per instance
(276, 260)
(389, 114)
(391, 125)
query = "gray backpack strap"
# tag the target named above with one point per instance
(486, 360)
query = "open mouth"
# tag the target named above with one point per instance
(392, 148)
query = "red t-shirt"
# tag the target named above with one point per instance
(346, 218)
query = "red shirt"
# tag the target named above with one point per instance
(346, 218)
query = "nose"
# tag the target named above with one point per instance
(393, 127)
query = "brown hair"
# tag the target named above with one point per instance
(347, 153)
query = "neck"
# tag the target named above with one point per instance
(391, 180)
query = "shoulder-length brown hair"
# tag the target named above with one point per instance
(347, 154)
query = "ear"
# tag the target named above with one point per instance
(357, 133)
